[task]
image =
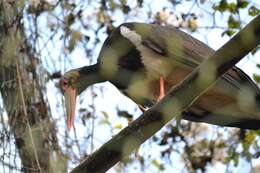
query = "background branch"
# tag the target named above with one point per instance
(27, 110)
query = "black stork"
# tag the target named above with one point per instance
(143, 60)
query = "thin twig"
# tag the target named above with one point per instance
(26, 115)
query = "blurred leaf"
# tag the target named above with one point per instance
(126, 9)
(158, 165)
(228, 32)
(253, 11)
(258, 133)
(256, 78)
(235, 159)
(221, 144)
(193, 24)
(257, 48)
(118, 126)
(242, 3)
(101, 17)
(112, 4)
(124, 114)
(104, 122)
(164, 139)
(233, 23)
(232, 156)
(250, 137)
(69, 19)
(105, 114)
(69, 6)
(82, 110)
(222, 6)
(232, 7)
(75, 37)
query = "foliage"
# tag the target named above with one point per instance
(64, 34)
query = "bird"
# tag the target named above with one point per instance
(145, 60)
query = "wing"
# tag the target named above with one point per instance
(190, 52)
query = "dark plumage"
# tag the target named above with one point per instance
(136, 55)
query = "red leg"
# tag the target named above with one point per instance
(162, 92)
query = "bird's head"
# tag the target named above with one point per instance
(73, 83)
(70, 88)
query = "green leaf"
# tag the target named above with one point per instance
(235, 158)
(242, 3)
(232, 7)
(222, 6)
(233, 23)
(112, 4)
(253, 11)
(256, 78)
(228, 32)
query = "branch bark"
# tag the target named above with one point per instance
(27, 111)
(174, 103)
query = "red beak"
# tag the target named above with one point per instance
(70, 101)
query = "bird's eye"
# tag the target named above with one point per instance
(64, 84)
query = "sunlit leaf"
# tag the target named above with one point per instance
(118, 126)
(158, 165)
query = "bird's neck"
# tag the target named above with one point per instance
(89, 75)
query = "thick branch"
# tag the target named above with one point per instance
(175, 102)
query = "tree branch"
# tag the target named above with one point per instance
(174, 103)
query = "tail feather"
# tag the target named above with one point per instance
(223, 120)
